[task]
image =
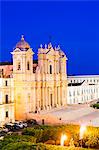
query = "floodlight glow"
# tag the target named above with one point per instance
(82, 131)
(63, 138)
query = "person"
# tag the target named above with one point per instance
(39, 110)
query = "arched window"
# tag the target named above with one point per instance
(50, 69)
(19, 66)
(28, 66)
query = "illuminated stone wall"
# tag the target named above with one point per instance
(33, 87)
(43, 90)
(6, 100)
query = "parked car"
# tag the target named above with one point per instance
(18, 125)
(4, 129)
(24, 124)
(9, 126)
(32, 122)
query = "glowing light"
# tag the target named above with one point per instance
(63, 138)
(82, 131)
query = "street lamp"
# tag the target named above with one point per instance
(82, 131)
(63, 138)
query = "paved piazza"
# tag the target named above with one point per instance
(76, 114)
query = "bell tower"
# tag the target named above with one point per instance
(22, 75)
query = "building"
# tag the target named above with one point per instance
(82, 89)
(28, 86)
(6, 100)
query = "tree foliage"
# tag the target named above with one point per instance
(35, 137)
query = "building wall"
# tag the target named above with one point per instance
(6, 100)
(84, 93)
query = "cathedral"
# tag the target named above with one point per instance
(29, 86)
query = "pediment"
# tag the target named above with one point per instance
(17, 50)
(64, 58)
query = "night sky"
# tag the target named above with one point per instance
(73, 25)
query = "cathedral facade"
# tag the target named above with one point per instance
(29, 86)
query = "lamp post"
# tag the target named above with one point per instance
(82, 131)
(63, 138)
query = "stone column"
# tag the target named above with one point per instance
(47, 94)
(45, 66)
(49, 103)
(43, 95)
(46, 101)
(55, 96)
(58, 96)
(61, 95)
(37, 97)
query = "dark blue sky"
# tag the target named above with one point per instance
(74, 25)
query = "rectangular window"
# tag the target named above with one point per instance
(2, 71)
(6, 83)
(7, 114)
(28, 66)
(6, 99)
(19, 66)
(51, 99)
(50, 69)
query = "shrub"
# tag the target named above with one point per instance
(16, 138)
(24, 146)
(46, 133)
(95, 105)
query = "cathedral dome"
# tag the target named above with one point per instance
(22, 44)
